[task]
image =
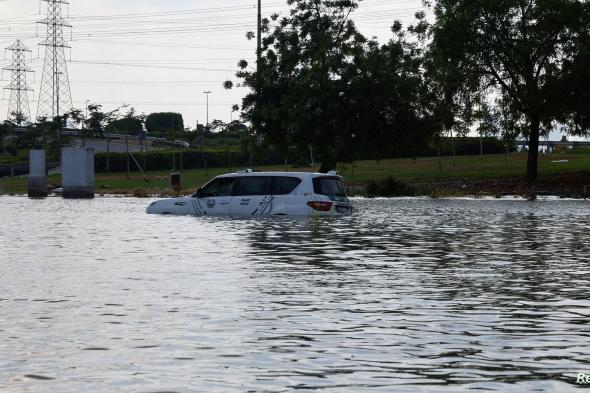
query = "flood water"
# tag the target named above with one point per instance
(409, 295)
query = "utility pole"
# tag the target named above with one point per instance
(259, 34)
(258, 54)
(84, 124)
(18, 107)
(207, 96)
(480, 145)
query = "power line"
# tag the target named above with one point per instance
(171, 45)
(147, 83)
(152, 66)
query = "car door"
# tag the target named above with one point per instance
(252, 196)
(285, 201)
(215, 198)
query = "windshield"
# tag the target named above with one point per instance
(330, 186)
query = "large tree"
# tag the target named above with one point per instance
(297, 94)
(4, 128)
(130, 123)
(524, 53)
(388, 101)
(45, 134)
(164, 122)
(321, 83)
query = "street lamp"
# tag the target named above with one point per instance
(207, 95)
(86, 116)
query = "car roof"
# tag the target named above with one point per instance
(278, 174)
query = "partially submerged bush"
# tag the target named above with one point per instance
(140, 193)
(389, 187)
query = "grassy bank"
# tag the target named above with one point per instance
(559, 174)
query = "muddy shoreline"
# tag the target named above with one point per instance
(569, 185)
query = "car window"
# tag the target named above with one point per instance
(253, 185)
(286, 185)
(330, 186)
(218, 188)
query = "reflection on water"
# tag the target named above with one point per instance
(406, 295)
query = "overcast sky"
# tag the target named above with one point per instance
(166, 53)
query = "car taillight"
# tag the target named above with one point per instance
(320, 206)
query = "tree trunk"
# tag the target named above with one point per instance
(533, 160)
(108, 153)
(127, 149)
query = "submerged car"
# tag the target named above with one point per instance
(248, 193)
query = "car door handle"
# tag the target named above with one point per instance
(224, 203)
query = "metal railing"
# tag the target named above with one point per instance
(76, 133)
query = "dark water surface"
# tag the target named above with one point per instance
(406, 295)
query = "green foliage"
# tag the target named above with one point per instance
(94, 123)
(389, 187)
(130, 123)
(296, 93)
(164, 122)
(320, 83)
(47, 135)
(125, 125)
(4, 127)
(522, 57)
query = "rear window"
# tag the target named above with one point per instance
(255, 185)
(286, 185)
(330, 186)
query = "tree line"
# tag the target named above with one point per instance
(513, 69)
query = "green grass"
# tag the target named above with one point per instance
(467, 168)
(21, 157)
(423, 171)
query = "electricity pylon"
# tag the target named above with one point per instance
(55, 97)
(18, 107)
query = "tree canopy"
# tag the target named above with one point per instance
(130, 123)
(164, 122)
(512, 68)
(321, 83)
(521, 55)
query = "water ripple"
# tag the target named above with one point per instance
(405, 295)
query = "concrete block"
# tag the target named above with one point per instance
(78, 173)
(37, 187)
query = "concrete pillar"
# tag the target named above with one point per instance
(37, 174)
(77, 172)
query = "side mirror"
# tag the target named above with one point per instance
(199, 193)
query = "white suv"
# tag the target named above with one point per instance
(250, 193)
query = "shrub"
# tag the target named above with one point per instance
(389, 187)
(140, 193)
